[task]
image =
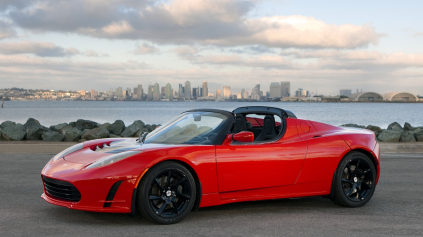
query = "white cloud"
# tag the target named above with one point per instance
(146, 49)
(207, 22)
(42, 49)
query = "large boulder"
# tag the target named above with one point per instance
(53, 136)
(395, 127)
(352, 125)
(389, 136)
(419, 136)
(82, 124)
(407, 136)
(104, 125)
(34, 130)
(375, 129)
(144, 129)
(72, 134)
(117, 127)
(408, 127)
(58, 127)
(132, 129)
(11, 131)
(96, 133)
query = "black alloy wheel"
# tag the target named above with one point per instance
(355, 180)
(167, 193)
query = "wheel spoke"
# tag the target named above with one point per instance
(168, 178)
(157, 182)
(161, 209)
(179, 183)
(350, 191)
(175, 208)
(347, 181)
(152, 197)
(359, 193)
(366, 171)
(183, 196)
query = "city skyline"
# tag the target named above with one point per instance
(325, 45)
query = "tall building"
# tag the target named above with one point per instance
(92, 94)
(345, 92)
(195, 93)
(205, 91)
(285, 88)
(187, 90)
(150, 92)
(275, 90)
(156, 92)
(218, 93)
(168, 92)
(110, 93)
(227, 92)
(255, 92)
(119, 92)
(140, 92)
(181, 92)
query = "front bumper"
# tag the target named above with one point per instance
(95, 185)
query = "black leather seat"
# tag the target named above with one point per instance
(240, 124)
(269, 129)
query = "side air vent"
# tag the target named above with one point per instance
(61, 190)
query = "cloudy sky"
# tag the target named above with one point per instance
(317, 45)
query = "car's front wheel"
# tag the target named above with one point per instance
(355, 180)
(167, 193)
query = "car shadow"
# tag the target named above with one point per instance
(280, 206)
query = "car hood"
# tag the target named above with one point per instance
(88, 155)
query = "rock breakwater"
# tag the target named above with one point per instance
(80, 130)
(394, 132)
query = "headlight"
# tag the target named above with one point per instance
(68, 151)
(111, 159)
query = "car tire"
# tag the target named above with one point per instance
(354, 187)
(166, 193)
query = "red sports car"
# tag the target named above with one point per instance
(211, 157)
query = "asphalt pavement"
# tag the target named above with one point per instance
(395, 209)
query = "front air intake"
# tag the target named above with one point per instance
(61, 190)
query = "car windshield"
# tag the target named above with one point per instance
(199, 128)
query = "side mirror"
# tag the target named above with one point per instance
(243, 137)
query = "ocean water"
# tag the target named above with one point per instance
(54, 112)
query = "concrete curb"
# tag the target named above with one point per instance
(34, 147)
(411, 147)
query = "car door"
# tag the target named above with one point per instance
(246, 166)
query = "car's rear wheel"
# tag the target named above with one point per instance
(167, 193)
(355, 180)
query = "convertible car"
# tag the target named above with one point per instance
(212, 157)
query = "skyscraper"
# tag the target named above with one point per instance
(218, 93)
(227, 92)
(181, 92)
(150, 92)
(156, 92)
(168, 92)
(140, 92)
(285, 88)
(187, 90)
(205, 89)
(119, 92)
(275, 90)
(255, 92)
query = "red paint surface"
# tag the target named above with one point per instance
(301, 163)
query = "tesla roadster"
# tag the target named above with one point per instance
(212, 157)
